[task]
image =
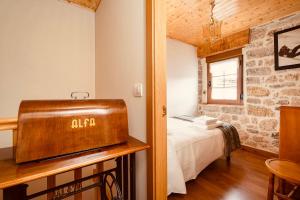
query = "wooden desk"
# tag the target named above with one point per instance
(16, 175)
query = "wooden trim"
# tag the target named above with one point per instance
(156, 100)
(260, 152)
(217, 58)
(233, 41)
(8, 124)
(224, 55)
(224, 102)
(86, 3)
(18, 174)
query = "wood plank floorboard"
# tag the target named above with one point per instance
(245, 178)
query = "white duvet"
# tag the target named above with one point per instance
(190, 150)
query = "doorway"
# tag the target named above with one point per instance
(156, 99)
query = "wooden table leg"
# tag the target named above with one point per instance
(125, 176)
(282, 186)
(271, 187)
(102, 187)
(132, 177)
(51, 183)
(228, 159)
(99, 168)
(78, 175)
(119, 173)
(15, 192)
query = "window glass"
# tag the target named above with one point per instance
(224, 79)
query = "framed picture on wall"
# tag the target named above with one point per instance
(287, 48)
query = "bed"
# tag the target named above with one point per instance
(190, 150)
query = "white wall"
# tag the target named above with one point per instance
(121, 62)
(47, 50)
(182, 80)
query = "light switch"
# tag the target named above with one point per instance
(138, 90)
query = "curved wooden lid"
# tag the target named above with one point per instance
(284, 169)
(50, 128)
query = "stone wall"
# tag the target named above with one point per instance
(265, 90)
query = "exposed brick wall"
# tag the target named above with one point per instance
(265, 90)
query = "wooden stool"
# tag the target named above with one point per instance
(286, 171)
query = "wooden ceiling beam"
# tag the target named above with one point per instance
(91, 4)
(234, 41)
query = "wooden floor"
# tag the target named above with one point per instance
(246, 178)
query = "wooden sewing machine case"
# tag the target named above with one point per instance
(50, 128)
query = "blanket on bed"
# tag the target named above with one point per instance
(231, 138)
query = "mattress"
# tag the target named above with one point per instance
(190, 150)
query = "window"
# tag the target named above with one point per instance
(225, 85)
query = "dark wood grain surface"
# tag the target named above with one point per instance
(289, 143)
(48, 128)
(13, 174)
(246, 178)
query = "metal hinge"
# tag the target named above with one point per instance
(209, 83)
(241, 96)
(164, 111)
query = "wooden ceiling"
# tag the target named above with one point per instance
(91, 4)
(185, 18)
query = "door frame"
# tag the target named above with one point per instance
(156, 99)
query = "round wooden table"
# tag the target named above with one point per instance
(284, 170)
